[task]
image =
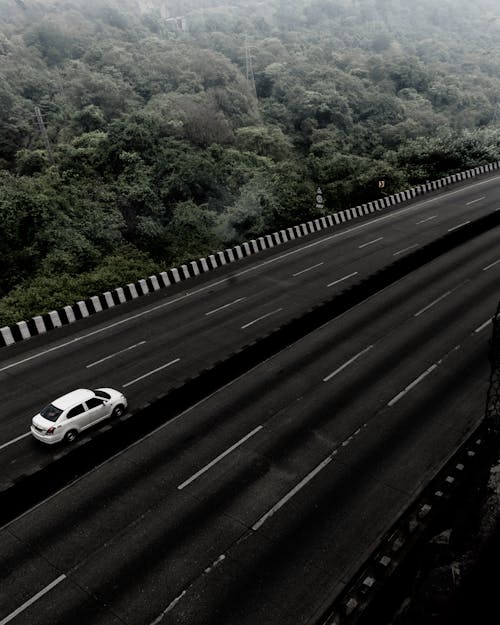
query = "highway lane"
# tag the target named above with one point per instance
(259, 503)
(201, 320)
(24, 454)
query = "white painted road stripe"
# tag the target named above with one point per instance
(27, 604)
(346, 364)
(236, 301)
(305, 480)
(492, 265)
(482, 326)
(355, 273)
(474, 201)
(308, 269)
(459, 226)
(172, 362)
(219, 458)
(122, 351)
(405, 249)
(247, 325)
(427, 219)
(432, 303)
(370, 242)
(413, 384)
(14, 440)
(291, 494)
(169, 608)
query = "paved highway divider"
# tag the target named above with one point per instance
(37, 482)
(43, 323)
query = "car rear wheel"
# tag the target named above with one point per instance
(118, 411)
(70, 436)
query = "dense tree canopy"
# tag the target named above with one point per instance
(137, 134)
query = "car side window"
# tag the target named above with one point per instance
(93, 402)
(75, 411)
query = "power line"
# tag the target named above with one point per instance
(43, 132)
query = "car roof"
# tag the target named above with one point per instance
(73, 398)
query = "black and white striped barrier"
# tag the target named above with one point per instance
(69, 314)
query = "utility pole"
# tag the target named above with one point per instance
(249, 67)
(43, 132)
(493, 396)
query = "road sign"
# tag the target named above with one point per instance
(319, 198)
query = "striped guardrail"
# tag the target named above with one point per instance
(69, 314)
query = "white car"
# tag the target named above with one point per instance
(74, 412)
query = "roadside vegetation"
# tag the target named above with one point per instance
(129, 145)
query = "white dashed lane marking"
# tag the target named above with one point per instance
(122, 351)
(370, 242)
(33, 599)
(346, 364)
(236, 301)
(306, 270)
(219, 458)
(172, 362)
(351, 275)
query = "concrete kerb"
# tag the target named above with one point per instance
(23, 330)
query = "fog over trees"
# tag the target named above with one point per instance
(136, 135)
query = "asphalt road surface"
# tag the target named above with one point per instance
(259, 504)
(145, 347)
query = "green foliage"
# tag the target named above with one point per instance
(251, 213)
(49, 292)
(155, 148)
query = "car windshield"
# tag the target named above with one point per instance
(50, 412)
(102, 394)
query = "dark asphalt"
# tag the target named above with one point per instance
(259, 504)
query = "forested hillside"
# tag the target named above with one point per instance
(136, 135)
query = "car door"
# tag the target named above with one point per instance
(96, 410)
(75, 418)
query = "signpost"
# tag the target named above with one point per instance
(319, 199)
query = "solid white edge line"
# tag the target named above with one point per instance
(219, 458)
(432, 303)
(423, 375)
(236, 301)
(346, 364)
(370, 242)
(355, 273)
(273, 312)
(122, 351)
(14, 440)
(294, 275)
(26, 604)
(172, 362)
